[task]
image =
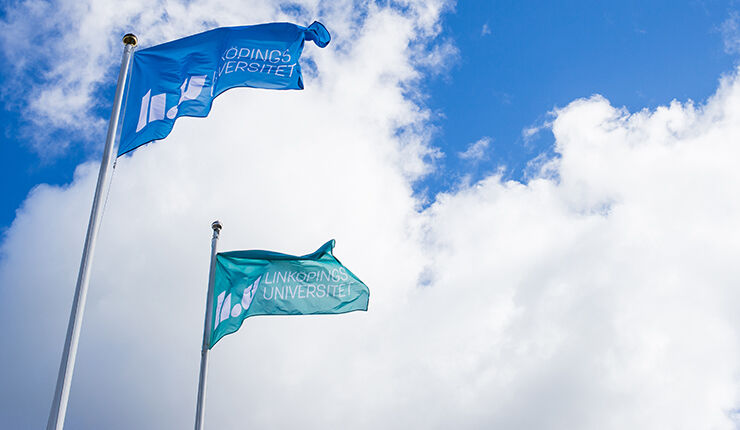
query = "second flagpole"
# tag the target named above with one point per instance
(199, 416)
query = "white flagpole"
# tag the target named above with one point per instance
(66, 368)
(199, 416)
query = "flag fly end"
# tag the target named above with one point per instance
(319, 34)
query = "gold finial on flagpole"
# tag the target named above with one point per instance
(130, 39)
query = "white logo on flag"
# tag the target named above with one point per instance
(223, 303)
(153, 106)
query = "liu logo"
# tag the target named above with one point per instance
(223, 303)
(153, 106)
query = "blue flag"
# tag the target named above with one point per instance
(182, 77)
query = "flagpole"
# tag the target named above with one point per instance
(66, 367)
(199, 416)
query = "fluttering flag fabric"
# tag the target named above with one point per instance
(182, 77)
(249, 283)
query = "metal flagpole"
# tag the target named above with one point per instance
(199, 416)
(66, 368)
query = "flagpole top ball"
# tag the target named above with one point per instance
(216, 226)
(130, 39)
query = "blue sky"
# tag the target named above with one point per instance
(519, 60)
(516, 61)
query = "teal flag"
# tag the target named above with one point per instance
(249, 283)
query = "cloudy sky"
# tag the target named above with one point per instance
(543, 198)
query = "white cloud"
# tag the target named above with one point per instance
(730, 30)
(476, 150)
(485, 30)
(529, 133)
(600, 294)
